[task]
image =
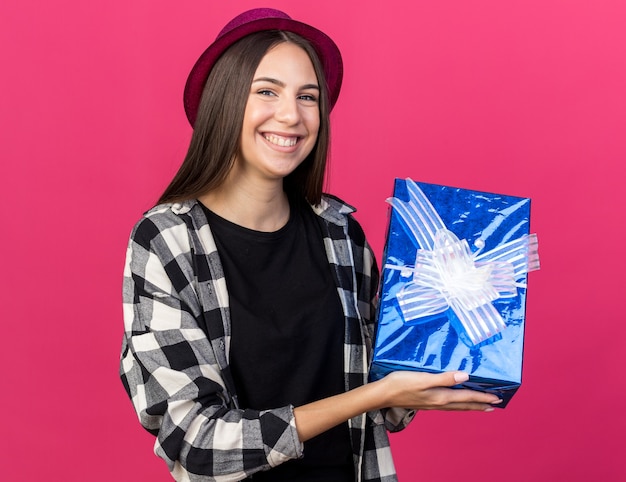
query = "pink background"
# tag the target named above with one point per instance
(518, 97)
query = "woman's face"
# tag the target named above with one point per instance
(281, 119)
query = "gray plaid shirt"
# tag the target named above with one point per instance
(174, 362)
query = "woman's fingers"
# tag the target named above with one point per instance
(466, 406)
(428, 391)
(461, 399)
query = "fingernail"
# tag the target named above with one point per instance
(497, 401)
(461, 377)
(489, 409)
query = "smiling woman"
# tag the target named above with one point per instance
(216, 109)
(250, 295)
(280, 129)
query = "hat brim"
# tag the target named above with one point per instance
(326, 49)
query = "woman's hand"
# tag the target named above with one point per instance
(429, 391)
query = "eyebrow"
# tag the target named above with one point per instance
(282, 84)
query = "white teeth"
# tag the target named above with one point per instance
(281, 141)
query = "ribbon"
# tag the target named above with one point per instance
(447, 275)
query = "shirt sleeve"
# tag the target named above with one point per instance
(170, 370)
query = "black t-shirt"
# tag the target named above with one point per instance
(287, 331)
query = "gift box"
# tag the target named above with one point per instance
(453, 285)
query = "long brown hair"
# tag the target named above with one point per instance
(217, 130)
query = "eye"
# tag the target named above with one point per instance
(266, 92)
(308, 97)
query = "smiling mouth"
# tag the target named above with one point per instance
(280, 140)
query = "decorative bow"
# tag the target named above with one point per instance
(447, 275)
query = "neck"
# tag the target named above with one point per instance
(261, 207)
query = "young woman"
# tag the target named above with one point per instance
(249, 296)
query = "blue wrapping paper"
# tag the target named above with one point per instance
(431, 318)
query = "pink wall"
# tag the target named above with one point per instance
(518, 97)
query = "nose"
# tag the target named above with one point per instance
(288, 111)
